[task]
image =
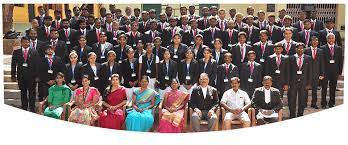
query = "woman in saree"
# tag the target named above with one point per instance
(140, 116)
(58, 95)
(87, 100)
(114, 99)
(174, 104)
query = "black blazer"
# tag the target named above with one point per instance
(96, 48)
(237, 56)
(159, 52)
(267, 52)
(333, 69)
(22, 72)
(210, 102)
(82, 55)
(201, 25)
(148, 36)
(255, 34)
(167, 35)
(127, 72)
(57, 66)
(199, 54)
(133, 40)
(281, 78)
(230, 40)
(79, 33)
(319, 25)
(239, 28)
(92, 36)
(245, 74)
(72, 39)
(77, 73)
(306, 77)
(125, 29)
(221, 85)
(302, 37)
(221, 57)
(162, 73)
(294, 32)
(144, 27)
(276, 34)
(112, 38)
(105, 73)
(193, 72)
(188, 37)
(40, 21)
(258, 100)
(317, 63)
(207, 36)
(292, 50)
(180, 52)
(121, 54)
(61, 50)
(211, 69)
(40, 47)
(322, 37)
(297, 25)
(87, 70)
(55, 26)
(41, 34)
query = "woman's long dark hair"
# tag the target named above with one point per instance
(109, 88)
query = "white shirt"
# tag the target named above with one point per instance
(235, 100)
(267, 95)
(204, 90)
(94, 68)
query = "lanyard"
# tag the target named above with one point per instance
(167, 68)
(111, 68)
(149, 64)
(188, 69)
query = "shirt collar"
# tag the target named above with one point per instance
(298, 56)
(241, 45)
(25, 48)
(313, 48)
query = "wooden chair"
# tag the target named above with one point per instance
(43, 104)
(67, 107)
(204, 122)
(234, 122)
(160, 107)
(254, 120)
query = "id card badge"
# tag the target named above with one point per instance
(212, 42)
(332, 61)
(68, 42)
(109, 78)
(277, 71)
(73, 81)
(25, 64)
(192, 42)
(188, 78)
(120, 61)
(270, 42)
(175, 56)
(96, 78)
(249, 42)
(102, 57)
(225, 80)
(133, 75)
(50, 71)
(250, 80)
(134, 45)
(148, 71)
(262, 60)
(230, 45)
(299, 72)
(115, 38)
(166, 78)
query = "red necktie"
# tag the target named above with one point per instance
(314, 53)
(288, 48)
(222, 25)
(227, 69)
(33, 45)
(242, 52)
(301, 25)
(25, 54)
(230, 33)
(54, 44)
(332, 51)
(270, 30)
(250, 31)
(110, 28)
(134, 34)
(251, 68)
(58, 25)
(299, 62)
(313, 25)
(163, 26)
(67, 34)
(98, 33)
(213, 33)
(307, 37)
(115, 34)
(194, 33)
(173, 32)
(262, 48)
(205, 22)
(50, 60)
(278, 61)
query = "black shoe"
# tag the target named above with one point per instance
(338, 90)
(323, 106)
(315, 106)
(330, 106)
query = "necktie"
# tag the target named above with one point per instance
(47, 32)
(230, 33)
(222, 25)
(98, 37)
(212, 33)
(227, 69)
(313, 25)
(251, 68)
(278, 61)
(288, 48)
(307, 37)
(115, 34)
(262, 48)
(83, 32)
(54, 44)
(58, 25)
(205, 22)
(299, 62)
(25, 54)
(314, 53)
(332, 51)
(163, 26)
(270, 30)
(153, 35)
(109, 28)
(250, 30)
(173, 32)
(33, 45)
(242, 52)
(50, 61)
(134, 34)
(301, 25)
(67, 34)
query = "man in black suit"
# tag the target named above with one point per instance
(25, 66)
(144, 25)
(252, 31)
(250, 11)
(44, 31)
(67, 34)
(306, 35)
(225, 72)
(49, 67)
(169, 32)
(82, 30)
(35, 43)
(158, 50)
(208, 65)
(287, 24)
(330, 28)
(204, 102)
(240, 50)
(107, 69)
(189, 35)
(93, 34)
(239, 24)
(59, 47)
(266, 99)
(41, 16)
(300, 23)
(274, 31)
(152, 33)
(184, 20)
(277, 66)
(333, 64)
(203, 21)
(317, 68)
(115, 33)
(280, 20)
(250, 74)
(263, 49)
(134, 36)
(136, 15)
(102, 48)
(289, 45)
(126, 27)
(192, 14)
(300, 72)
(261, 22)
(57, 23)
(317, 25)
(211, 33)
(108, 23)
(231, 35)
(162, 23)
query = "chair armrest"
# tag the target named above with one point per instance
(67, 108)
(190, 112)
(217, 118)
(280, 115)
(251, 114)
(41, 106)
(160, 110)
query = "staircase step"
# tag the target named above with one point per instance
(11, 85)
(7, 78)
(12, 94)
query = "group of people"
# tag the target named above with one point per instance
(100, 65)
